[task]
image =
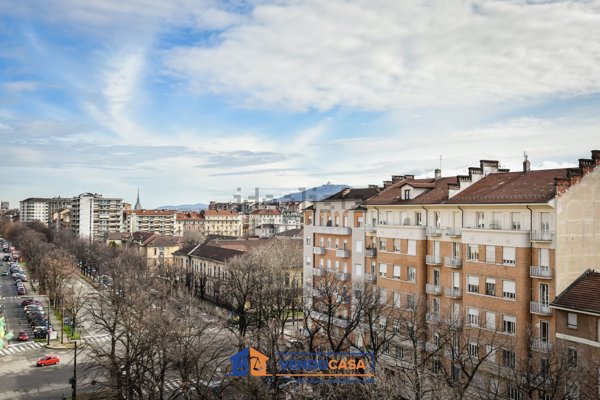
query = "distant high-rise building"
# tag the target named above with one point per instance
(94, 216)
(4, 206)
(34, 209)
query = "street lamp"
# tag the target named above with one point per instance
(73, 380)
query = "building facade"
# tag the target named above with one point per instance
(34, 209)
(223, 222)
(93, 217)
(161, 222)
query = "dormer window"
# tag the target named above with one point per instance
(406, 194)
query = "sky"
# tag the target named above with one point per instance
(189, 100)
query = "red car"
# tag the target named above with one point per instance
(23, 336)
(48, 360)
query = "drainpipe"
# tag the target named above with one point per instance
(462, 217)
(529, 350)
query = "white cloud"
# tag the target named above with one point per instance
(387, 54)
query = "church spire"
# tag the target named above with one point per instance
(138, 205)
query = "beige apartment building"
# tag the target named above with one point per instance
(189, 222)
(162, 222)
(223, 222)
(490, 247)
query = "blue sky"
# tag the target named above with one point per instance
(190, 99)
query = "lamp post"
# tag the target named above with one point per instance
(48, 327)
(73, 380)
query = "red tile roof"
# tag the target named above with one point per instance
(512, 187)
(581, 295)
(437, 193)
(153, 212)
(220, 212)
(266, 212)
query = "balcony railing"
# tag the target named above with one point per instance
(371, 252)
(453, 292)
(371, 278)
(453, 232)
(539, 308)
(319, 250)
(433, 289)
(318, 272)
(431, 317)
(370, 228)
(342, 276)
(540, 272)
(541, 345)
(343, 299)
(332, 230)
(453, 262)
(433, 231)
(432, 259)
(541, 236)
(341, 253)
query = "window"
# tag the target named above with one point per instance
(337, 265)
(383, 297)
(490, 286)
(514, 393)
(412, 248)
(382, 322)
(572, 320)
(473, 349)
(544, 367)
(358, 269)
(545, 258)
(472, 316)
(490, 320)
(358, 247)
(397, 271)
(397, 245)
(572, 357)
(406, 194)
(410, 301)
(399, 352)
(418, 218)
(383, 244)
(509, 289)
(437, 219)
(473, 252)
(436, 367)
(509, 324)
(490, 352)
(515, 221)
(360, 221)
(435, 309)
(308, 241)
(412, 274)
(480, 218)
(509, 358)
(396, 326)
(508, 255)
(490, 254)
(308, 261)
(328, 243)
(329, 264)
(337, 243)
(396, 299)
(382, 269)
(473, 284)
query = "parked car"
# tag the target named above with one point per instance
(23, 336)
(48, 360)
(21, 290)
(5, 273)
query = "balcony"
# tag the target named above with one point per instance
(433, 231)
(371, 252)
(342, 276)
(540, 272)
(454, 293)
(541, 236)
(341, 253)
(432, 317)
(433, 260)
(343, 299)
(453, 232)
(539, 308)
(332, 230)
(318, 272)
(319, 250)
(543, 346)
(371, 278)
(369, 228)
(433, 289)
(453, 262)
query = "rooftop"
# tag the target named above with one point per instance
(581, 295)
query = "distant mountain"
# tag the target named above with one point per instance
(184, 207)
(314, 194)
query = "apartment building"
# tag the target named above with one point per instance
(334, 244)
(222, 222)
(262, 217)
(94, 216)
(162, 222)
(4, 206)
(33, 209)
(490, 247)
(189, 222)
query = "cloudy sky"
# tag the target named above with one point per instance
(190, 99)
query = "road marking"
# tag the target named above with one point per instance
(96, 338)
(17, 348)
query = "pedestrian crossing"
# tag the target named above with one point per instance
(19, 347)
(96, 339)
(11, 297)
(173, 385)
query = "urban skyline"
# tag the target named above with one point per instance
(94, 103)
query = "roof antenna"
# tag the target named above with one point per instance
(438, 171)
(526, 163)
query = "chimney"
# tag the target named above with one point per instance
(438, 173)
(526, 164)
